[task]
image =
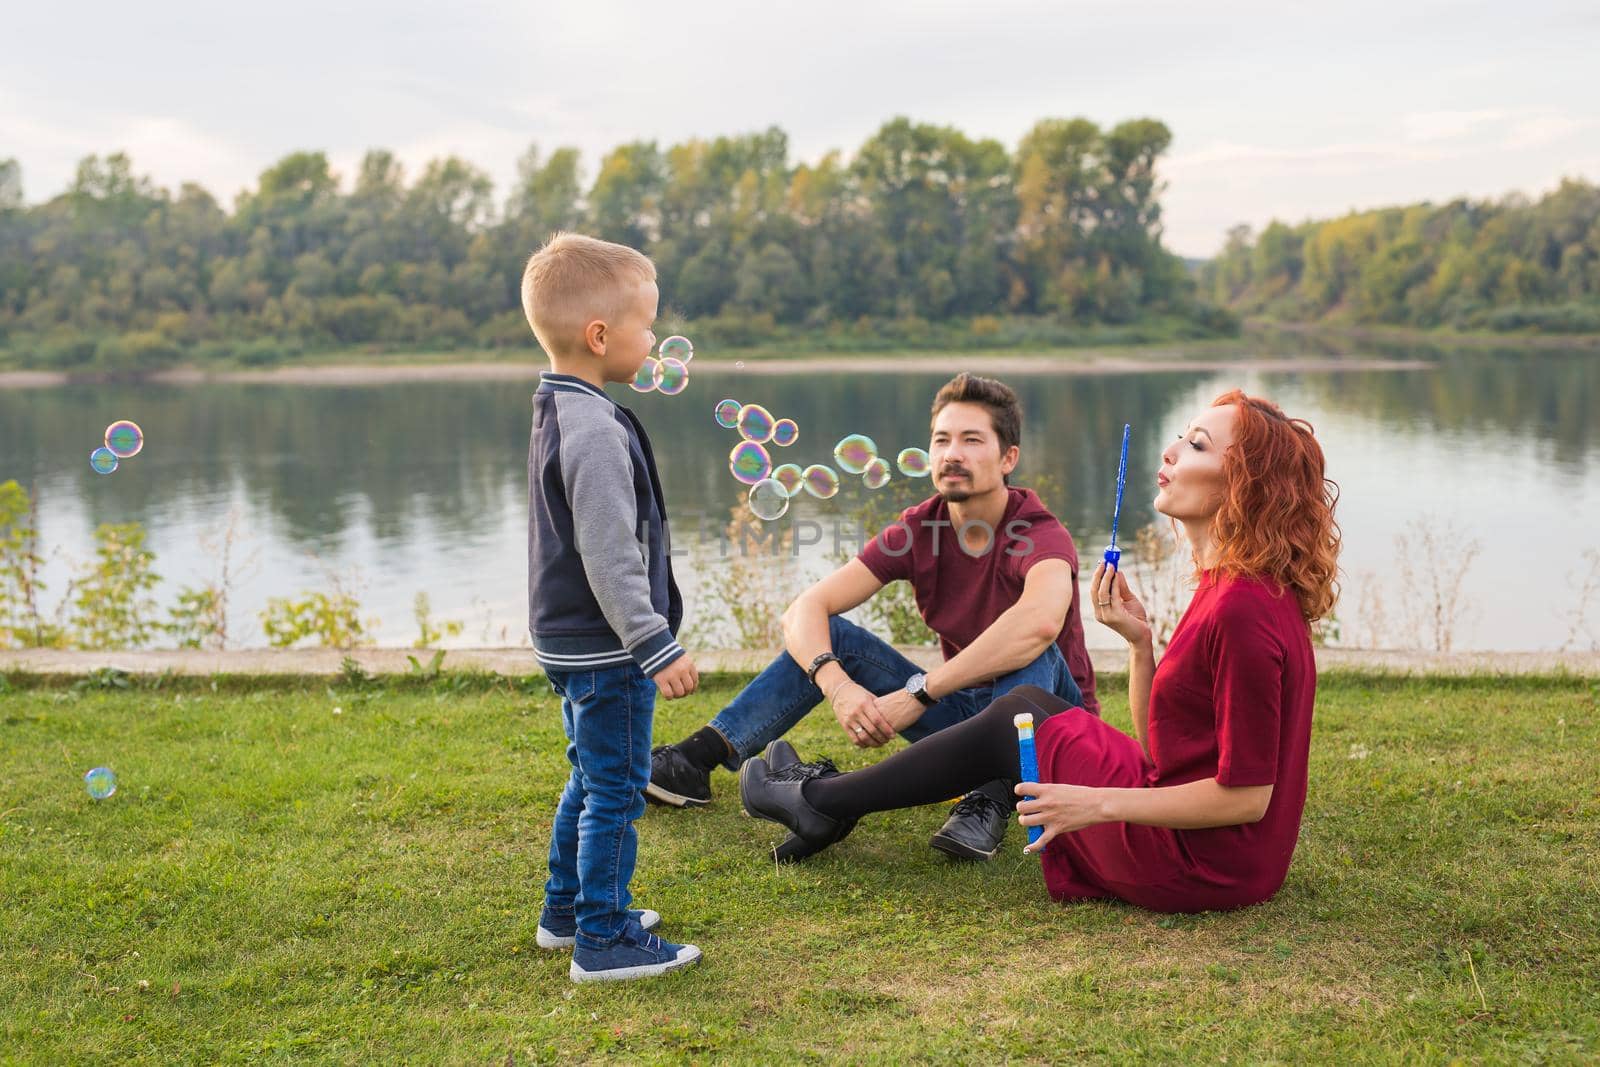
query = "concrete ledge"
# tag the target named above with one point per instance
(517, 662)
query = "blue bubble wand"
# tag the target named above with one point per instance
(1113, 553)
(1029, 761)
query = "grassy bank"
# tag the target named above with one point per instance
(1412, 337)
(725, 338)
(351, 873)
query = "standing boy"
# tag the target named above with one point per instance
(602, 605)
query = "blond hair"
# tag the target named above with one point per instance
(574, 280)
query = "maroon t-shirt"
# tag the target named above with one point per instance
(1230, 700)
(961, 594)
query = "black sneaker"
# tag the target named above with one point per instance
(780, 756)
(976, 827)
(777, 796)
(675, 780)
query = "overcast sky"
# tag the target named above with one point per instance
(1279, 109)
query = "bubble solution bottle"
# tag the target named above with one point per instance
(1030, 762)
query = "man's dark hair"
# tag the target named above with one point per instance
(1005, 410)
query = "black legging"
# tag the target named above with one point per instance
(949, 763)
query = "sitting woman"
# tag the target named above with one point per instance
(1199, 809)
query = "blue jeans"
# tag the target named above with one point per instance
(780, 696)
(593, 846)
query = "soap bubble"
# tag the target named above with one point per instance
(854, 452)
(789, 475)
(671, 376)
(768, 499)
(749, 462)
(678, 348)
(100, 782)
(728, 413)
(913, 462)
(876, 476)
(820, 481)
(644, 380)
(785, 432)
(124, 438)
(103, 460)
(755, 423)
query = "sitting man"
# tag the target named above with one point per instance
(995, 576)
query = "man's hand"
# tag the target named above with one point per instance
(678, 678)
(900, 709)
(857, 712)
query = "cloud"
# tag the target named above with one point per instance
(1232, 159)
(1447, 125)
(1544, 129)
(169, 149)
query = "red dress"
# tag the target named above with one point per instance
(1230, 700)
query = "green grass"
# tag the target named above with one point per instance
(274, 881)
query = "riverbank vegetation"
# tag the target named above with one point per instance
(1507, 266)
(924, 237)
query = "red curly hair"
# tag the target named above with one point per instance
(1276, 519)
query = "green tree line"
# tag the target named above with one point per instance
(1512, 264)
(923, 225)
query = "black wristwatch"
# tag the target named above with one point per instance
(917, 686)
(817, 664)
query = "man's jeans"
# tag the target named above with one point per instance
(606, 714)
(780, 696)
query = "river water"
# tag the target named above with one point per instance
(1485, 463)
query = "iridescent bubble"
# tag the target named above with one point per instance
(644, 380)
(678, 348)
(755, 423)
(124, 438)
(768, 499)
(100, 782)
(790, 475)
(749, 462)
(854, 452)
(728, 413)
(785, 432)
(913, 462)
(103, 460)
(672, 377)
(876, 476)
(820, 481)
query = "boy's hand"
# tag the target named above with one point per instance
(678, 678)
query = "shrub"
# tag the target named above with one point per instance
(21, 623)
(333, 620)
(63, 352)
(266, 353)
(1558, 318)
(111, 602)
(200, 619)
(429, 632)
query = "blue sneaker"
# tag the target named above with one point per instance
(636, 954)
(560, 929)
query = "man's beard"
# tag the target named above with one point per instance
(957, 496)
